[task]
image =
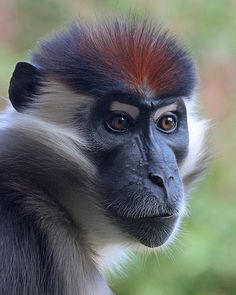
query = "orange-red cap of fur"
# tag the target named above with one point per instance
(120, 55)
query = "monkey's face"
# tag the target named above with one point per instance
(138, 145)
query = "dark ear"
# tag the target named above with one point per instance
(24, 85)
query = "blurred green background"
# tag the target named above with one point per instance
(203, 260)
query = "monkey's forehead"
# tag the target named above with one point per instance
(115, 55)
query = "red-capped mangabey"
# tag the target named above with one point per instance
(97, 152)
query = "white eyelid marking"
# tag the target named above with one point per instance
(170, 108)
(127, 108)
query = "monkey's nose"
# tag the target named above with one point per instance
(156, 179)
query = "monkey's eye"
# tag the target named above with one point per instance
(167, 123)
(118, 122)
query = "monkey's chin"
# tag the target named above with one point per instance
(151, 231)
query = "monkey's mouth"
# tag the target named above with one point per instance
(151, 231)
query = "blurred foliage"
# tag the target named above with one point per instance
(203, 260)
(42, 16)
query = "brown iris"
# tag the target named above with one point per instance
(167, 123)
(118, 122)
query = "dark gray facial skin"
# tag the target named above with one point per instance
(139, 167)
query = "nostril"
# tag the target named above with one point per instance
(171, 178)
(156, 179)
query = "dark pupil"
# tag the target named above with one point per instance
(168, 123)
(119, 123)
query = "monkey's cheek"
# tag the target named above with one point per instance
(151, 232)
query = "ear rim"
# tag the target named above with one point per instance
(24, 85)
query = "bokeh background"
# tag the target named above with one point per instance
(203, 261)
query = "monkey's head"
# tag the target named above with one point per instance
(125, 89)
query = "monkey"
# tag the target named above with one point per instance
(100, 145)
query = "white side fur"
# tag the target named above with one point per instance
(197, 150)
(59, 105)
(63, 140)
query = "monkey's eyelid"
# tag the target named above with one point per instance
(131, 110)
(169, 108)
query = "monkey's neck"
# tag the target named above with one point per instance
(106, 241)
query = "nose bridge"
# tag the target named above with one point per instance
(162, 164)
(143, 145)
(148, 142)
(158, 156)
